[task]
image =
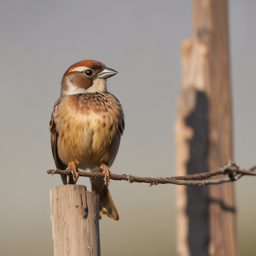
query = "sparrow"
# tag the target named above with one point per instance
(86, 126)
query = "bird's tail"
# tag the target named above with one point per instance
(106, 203)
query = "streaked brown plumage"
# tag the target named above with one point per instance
(86, 126)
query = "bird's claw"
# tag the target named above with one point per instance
(106, 171)
(72, 168)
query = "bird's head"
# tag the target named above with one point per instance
(86, 76)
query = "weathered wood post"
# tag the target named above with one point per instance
(206, 216)
(75, 221)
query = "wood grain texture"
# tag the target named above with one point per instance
(75, 221)
(205, 67)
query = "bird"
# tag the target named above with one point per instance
(86, 126)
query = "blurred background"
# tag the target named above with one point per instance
(141, 39)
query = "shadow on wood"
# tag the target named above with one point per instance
(197, 198)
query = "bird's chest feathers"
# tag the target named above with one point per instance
(87, 124)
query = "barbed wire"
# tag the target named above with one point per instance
(230, 170)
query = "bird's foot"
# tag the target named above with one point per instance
(72, 168)
(106, 172)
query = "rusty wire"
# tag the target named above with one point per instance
(231, 173)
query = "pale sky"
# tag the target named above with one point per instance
(141, 40)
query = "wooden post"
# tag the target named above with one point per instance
(75, 221)
(206, 216)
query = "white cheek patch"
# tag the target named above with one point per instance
(99, 85)
(72, 89)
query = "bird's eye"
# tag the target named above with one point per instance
(88, 72)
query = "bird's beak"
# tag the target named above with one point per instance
(106, 73)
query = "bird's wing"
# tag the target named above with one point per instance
(54, 139)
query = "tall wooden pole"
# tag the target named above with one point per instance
(75, 221)
(206, 216)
